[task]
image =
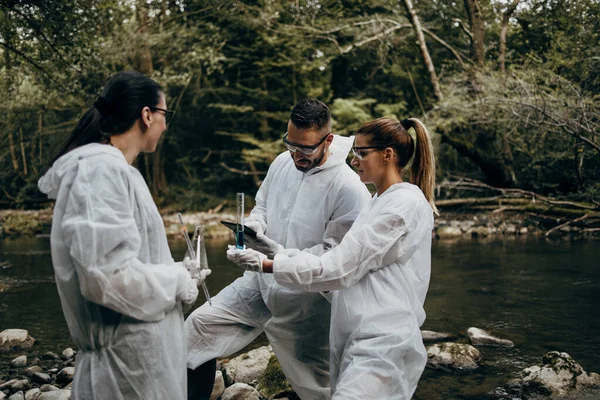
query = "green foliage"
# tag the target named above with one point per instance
(233, 70)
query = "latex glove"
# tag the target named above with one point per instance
(263, 244)
(250, 260)
(256, 226)
(188, 292)
(192, 267)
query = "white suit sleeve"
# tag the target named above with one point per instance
(351, 199)
(363, 249)
(102, 236)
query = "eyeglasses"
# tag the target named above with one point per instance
(168, 113)
(360, 153)
(306, 150)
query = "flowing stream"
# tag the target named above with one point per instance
(542, 295)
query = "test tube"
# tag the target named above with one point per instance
(239, 234)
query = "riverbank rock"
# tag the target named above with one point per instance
(219, 386)
(48, 388)
(41, 378)
(479, 337)
(17, 396)
(211, 221)
(65, 375)
(240, 391)
(19, 362)
(448, 232)
(15, 340)
(558, 377)
(453, 356)
(67, 354)
(273, 384)
(56, 395)
(248, 367)
(432, 336)
(33, 394)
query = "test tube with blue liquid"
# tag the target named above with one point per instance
(239, 233)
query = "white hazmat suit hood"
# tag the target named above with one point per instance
(120, 290)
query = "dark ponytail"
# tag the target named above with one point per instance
(388, 132)
(115, 111)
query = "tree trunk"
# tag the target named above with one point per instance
(505, 17)
(339, 77)
(144, 57)
(424, 52)
(477, 25)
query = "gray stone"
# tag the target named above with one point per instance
(33, 369)
(19, 362)
(67, 354)
(33, 394)
(559, 376)
(479, 337)
(2, 396)
(41, 378)
(453, 356)
(479, 231)
(249, 366)
(432, 336)
(65, 375)
(15, 339)
(50, 356)
(48, 388)
(219, 386)
(17, 396)
(448, 232)
(273, 384)
(20, 385)
(240, 391)
(8, 384)
(56, 395)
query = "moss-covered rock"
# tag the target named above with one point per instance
(273, 384)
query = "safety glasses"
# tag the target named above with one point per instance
(168, 113)
(306, 150)
(363, 151)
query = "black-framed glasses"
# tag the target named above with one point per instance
(360, 153)
(169, 114)
(304, 149)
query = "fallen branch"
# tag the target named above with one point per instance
(567, 223)
(241, 172)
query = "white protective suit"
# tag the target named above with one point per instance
(379, 274)
(120, 290)
(312, 211)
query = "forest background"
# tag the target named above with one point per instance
(509, 88)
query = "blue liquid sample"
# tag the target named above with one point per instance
(239, 239)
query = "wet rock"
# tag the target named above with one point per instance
(56, 395)
(20, 385)
(33, 369)
(479, 337)
(523, 231)
(2, 396)
(65, 375)
(249, 366)
(19, 362)
(17, 396)
(35, 361)
(453, 356)
(15, 339)
(48, 388)
(7, 385)
(432, 336)
(50, 356)
(219, 386)
(67, 354)
(240, 391)
(33, 394)
(273, 384)
(479, 231)
(558, 376)
(41, 378)
(448, 232)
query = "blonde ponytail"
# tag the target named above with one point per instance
(422, 171)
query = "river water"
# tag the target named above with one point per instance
(542, 295)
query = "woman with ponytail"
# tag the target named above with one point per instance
(379, 273)
(122, 294)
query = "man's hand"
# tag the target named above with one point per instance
(198, 275)
(263, 244)
(250, 260)
(255, 226)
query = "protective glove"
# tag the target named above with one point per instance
(263, 244)
(250, 260)
(192, 267)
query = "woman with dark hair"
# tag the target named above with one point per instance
(121, 292)
(379, 273)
